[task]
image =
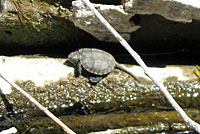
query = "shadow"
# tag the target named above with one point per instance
(69, 64)
(9, 107)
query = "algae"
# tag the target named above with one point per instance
(74, 98)
(113, 93)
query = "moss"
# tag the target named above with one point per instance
(35, 35)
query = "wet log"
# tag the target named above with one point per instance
(146, 122)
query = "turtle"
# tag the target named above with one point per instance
(95, 61)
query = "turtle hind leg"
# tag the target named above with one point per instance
(126, 71)
(95, 80)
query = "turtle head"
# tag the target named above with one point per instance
(73, 57)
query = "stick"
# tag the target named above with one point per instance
(20, 13)
(46, 111)
(147, 71)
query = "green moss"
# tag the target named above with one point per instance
(35, 35)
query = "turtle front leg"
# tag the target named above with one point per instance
(79, 68)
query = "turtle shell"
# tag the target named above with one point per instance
(96, 61)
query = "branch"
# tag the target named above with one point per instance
(147, 71)
(46, 111)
